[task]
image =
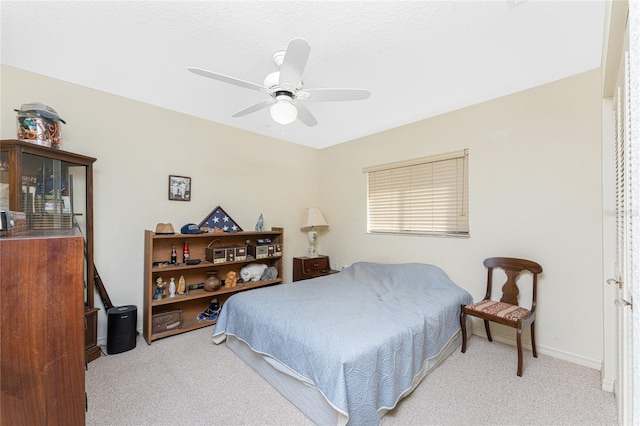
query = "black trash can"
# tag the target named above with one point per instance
(121, 328)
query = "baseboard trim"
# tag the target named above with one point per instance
(510, 339)
(608, 385)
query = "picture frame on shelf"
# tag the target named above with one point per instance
(179, 188)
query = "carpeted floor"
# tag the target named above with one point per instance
(188, 380)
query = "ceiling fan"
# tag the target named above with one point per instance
(285, 87)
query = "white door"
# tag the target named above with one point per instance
(627, 189)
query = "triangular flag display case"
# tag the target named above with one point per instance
(219, 219)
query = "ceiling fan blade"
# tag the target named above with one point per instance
(253, 108)
(305, 116)
(295, 59)
(330, 95)
(227, 79)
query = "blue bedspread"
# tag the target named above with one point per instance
(360, 336)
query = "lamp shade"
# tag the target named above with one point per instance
(283, 111)
(313, 218)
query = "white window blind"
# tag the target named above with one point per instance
(425, 196)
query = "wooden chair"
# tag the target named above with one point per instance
(506, 311)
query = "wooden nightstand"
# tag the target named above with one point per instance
(311, 267)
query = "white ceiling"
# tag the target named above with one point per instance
(418, 58)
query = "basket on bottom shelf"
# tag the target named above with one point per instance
(166, 321)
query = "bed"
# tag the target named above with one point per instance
(345, 348)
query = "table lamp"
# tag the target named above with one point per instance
(312, 221)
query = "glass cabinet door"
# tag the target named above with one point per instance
(4, 180)
(47, 193)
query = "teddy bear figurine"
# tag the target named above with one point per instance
(231, 280)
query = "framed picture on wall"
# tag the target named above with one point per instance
(179, 188)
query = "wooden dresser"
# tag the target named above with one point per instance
(305, 268)
(42, 357)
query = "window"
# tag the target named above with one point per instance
(425, 196)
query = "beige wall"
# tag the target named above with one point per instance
(535, 189)
(535, 192)
(138, 146)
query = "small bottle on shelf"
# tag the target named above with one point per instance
(174, 256)
(185, 252)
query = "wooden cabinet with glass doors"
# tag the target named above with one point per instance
(54, 188)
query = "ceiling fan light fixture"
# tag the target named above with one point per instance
(283, 111)
(284, 86)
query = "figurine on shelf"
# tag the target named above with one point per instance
(182, 285)
(172, 287)
(252, 272)
(231, 280)
(270, 273)
(159, 293)
(259, 224)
